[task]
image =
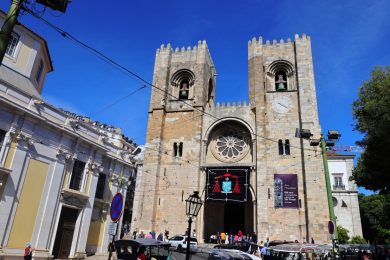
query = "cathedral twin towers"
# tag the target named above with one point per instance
(252, 172)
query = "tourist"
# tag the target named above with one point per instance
(160, 237)
(223, 237)
(227, 239)
(141, 254)
(194, 233)
(28, 251)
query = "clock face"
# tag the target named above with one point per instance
(282, 104)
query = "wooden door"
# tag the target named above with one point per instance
(66, 240)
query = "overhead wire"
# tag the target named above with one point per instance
(138, 78)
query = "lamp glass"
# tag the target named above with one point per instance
(193, 204)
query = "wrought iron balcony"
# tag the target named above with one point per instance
(339, 187)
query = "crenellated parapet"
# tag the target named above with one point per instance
(229, 105)
(199, 53)
(256, 46)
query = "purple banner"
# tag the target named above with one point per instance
(286, 190)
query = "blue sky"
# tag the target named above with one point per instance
(348, 39)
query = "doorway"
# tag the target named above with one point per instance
(228, 217)
(234, 216)
(65, 230)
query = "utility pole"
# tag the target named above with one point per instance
(8, 26)
(327, 181)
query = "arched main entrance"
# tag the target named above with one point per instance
(229, 205)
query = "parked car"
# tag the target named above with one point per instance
(129, 249)
(230, 254)
(179, 242)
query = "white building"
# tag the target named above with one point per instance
(345, 193)
(58, 171)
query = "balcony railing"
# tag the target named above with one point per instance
(339, 187)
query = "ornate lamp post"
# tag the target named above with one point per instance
(193, 205)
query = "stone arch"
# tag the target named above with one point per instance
(222, 120)
(229, 140)
(280, 76)
(280, 65)
(183, 74)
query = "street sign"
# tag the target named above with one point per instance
(331, 227)
(116, 207)
(112, 228)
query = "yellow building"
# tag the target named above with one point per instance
(58, 171)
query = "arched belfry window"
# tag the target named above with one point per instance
(183, 81)
(280, 76)
(280, 80)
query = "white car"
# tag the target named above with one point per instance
(179, 242)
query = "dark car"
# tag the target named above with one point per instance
(230, 254)
(128, 249)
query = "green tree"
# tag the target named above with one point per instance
(375, 218)
(357, 240)
(371, 112)
(342, 234)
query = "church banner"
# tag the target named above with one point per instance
(286, 190)
(227, 184)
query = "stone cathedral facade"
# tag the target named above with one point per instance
(251, 170)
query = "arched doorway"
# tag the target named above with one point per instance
(228, 216)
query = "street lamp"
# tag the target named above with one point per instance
(193, 205)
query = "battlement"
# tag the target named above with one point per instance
(229, 105)
(185, 54)
(259, 41)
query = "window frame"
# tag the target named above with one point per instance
(101, 190)
(16, 36)
(81, 177)
(38, 74)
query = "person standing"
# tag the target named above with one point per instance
(28, 251)
(223, 237)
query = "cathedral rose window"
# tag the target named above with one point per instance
(229, 147)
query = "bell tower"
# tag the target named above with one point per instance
(184, 81)
(282, 93)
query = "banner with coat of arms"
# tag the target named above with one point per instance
(227, 184)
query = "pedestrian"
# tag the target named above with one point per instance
(135, 234)
(312, 241)
(149, 235)
(218, 238)
(141, 254)
(227, 240)
(28, 251)
(160, 237)
(263, 251)
(166, 235)
(194, 233)
(223, 237)
(267, 242)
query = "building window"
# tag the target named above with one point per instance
(39, 71)
(101, 184)
(284, 148)
(77, 175)
(183, 80)
(184, 89)
(177, 149)
(338, 183)
(13, 43)
(280, 80)
(210, 92)
(2, 137)
(280, 145)
(287, 147)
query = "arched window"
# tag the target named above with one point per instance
(183, 81)
(210, 92)
(184, 89)
(280, 80)
(280, 144)
(180, 154)
(175, 149)
(287, 147)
